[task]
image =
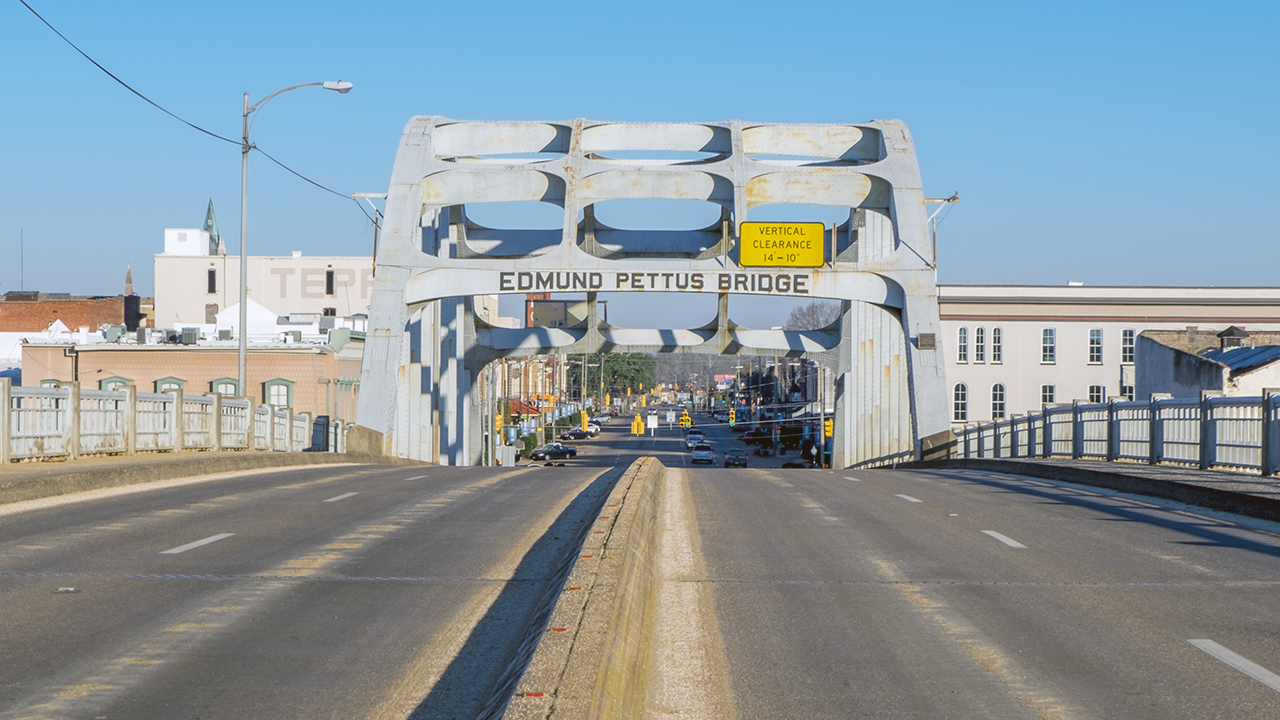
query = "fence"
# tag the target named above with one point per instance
(66, 421)
(1238, 433)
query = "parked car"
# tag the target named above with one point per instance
(553, 451)
(756, 436)
(575, 434)
(601, 419)
(694, 438)
(593, 429)
(703, 453)
(735, 457)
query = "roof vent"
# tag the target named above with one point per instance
(1232, 337)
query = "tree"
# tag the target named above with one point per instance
(814, 316)
(621, 371)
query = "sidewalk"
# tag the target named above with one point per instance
(32, 480)
(1239, 493)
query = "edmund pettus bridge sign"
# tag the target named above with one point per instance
(427, 348)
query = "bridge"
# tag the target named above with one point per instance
(427, 348)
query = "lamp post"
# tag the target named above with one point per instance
(339, 86)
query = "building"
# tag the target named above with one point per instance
(34, 312)
(317, 378)
(1186, 363)
(1012, 348)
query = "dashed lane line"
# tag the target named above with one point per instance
(1004, 539)
(846, 477)
(908, 498)
(196, 544)
(1239, 662)
(343, 496)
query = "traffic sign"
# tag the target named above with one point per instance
(763, 244)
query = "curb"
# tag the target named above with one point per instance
(592, 660)
(1264, 508)
(33, 481)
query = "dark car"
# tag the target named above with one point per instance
(553, 451)
(735, 458)
(755, 436)
(575, 435)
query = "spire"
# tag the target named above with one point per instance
(211, 227)
(128, 280)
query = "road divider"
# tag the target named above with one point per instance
(594, 662)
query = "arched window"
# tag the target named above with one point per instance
(169, 384)
(997, 401)
(114, 382)
(960, 403)
(997, 346)
(279, 392)
(979, 344)
(225, 386)
(962, 345)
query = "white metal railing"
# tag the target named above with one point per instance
(65, 421)
(1211, 432)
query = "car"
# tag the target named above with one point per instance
(735, 458)
(593, 429)
(575, 434)
(703, 453)
(693, 438)
(756, 436)
(553, 451)
(601, 419)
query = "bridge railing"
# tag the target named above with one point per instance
(66, 421)
(1236, 433)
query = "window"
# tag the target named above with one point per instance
(1126, 392)
(960, 407)
(279, 392)
(1048, 346)
(1047, 395)
(115, 382)
(328, 282)
(997, 401)
(225, 386)
(330, 312)
(997, 345)
(1096, 394)
(1095, 346)
(979, 344)
(213, 281)
(962, 345)
(168, 384)
(1126, 346)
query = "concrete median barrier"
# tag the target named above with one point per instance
(592, 660)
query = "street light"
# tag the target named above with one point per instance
(341, 87)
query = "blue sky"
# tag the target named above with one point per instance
(1107, 142)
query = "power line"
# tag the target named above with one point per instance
(125, 84)
(183, 121)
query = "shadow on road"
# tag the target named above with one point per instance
(485, 672)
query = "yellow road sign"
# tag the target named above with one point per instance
(763, 244)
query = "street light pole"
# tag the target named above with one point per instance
(339, 86)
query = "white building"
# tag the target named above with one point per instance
(1011, 348)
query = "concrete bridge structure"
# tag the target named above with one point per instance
(426, 346)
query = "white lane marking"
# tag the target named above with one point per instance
(1239, 662)
(1004, 539)
(846, 477)
(908, 498)
(343, 496)
(196, 544)
(416, 477)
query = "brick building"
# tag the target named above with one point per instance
(35, 311)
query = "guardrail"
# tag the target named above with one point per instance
(66, 421)
(1238, 433)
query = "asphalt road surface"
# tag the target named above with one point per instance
(883, 594)
(318, 592)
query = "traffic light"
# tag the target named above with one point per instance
(828, 427)
(733, 417)
(497, 423)
(584, 421)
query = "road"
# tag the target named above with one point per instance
(319, 592)
(393, 592)
(895, 594)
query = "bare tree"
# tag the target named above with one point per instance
(814, 316)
